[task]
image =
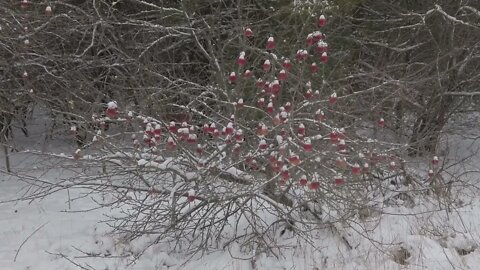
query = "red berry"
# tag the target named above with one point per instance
(303, 180)
(232, 77)
(314, 185)
(266, 65)
(270, 43)
(339, 180)
(356, 170)
(322, 21)
(324, 57)
(48, 11)
(287, 64)
(248, 32)
(282, 75)
(333, 98)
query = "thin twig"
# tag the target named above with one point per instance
(26, 239)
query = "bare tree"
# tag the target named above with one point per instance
(419, 59)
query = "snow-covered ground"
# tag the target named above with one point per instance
(61, 231)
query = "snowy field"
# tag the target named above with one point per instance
(61, 231)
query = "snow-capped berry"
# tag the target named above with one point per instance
(284, 116)
(171, 144)
(270, 43)
(272, 158)
(314, 185)
(287, 64)
(294, 159)
(334, 137)
(430, 173)
(392, 166)
(147, 140)
(322, 47)
(307, 145)
(320, 115)
(192, 138)
(435, 160)
(247, 32)
(241, 59)
(339, 180)
(270, 107)
(199, 149)
(282, 75)
(314, 68)
(317, 36)
(262, 130)
(322, 20)
(275, 87)
(356, 170)
(73, 130)
(324, 57)
(263, 145)
(229, 129)
(381, 122)
(285, 173)
(261, 103)
(301, 55)
(308, 94)
(239, 136)
(260, 83)
(206, 129)
(24, 4)
(310, 40)
(149, 130)
(26, 42)
(25, 75)
(301, 129)
(303, 180)
(191, 195)
(232, 77)
(239, 104)
(266, 65)
(333, 98)
(248, 73)
(112, 105)
(172, 127)
(112, 109)
(211, 128)
(366, 167)
(48, 11)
